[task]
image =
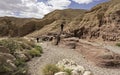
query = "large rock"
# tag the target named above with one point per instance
(61, 73)
(80, 69)
(88, 73)
(67, 64)
(75, 73)
(76, 69)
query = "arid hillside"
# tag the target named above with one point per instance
(10, 26)
(53, 20)
(101, 22)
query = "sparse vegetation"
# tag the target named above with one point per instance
(50, 69)
(34, 52)
(68, 71)
(10, 44)
(19, 51)
(39, 48)
(118, 44)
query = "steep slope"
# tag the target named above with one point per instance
(101, 22)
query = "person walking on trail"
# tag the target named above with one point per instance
(37, 39)
(58, 40)
(62, 26)
(58, 37)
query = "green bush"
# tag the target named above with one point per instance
(19, 62)
(50, 69)
(118, 44)
(39, 48)
(34, 52)
(68, 71)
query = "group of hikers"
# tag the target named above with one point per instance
(58, 36)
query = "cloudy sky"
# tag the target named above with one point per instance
(38, 8)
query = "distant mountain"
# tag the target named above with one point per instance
(10, 26)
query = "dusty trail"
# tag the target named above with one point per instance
(52, 54)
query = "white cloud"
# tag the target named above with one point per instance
(84, 1)
(59, 4)
(30, 8)
(33, 8)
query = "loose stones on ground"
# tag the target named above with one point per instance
(74, 67)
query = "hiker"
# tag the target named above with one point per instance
(37, 39)
(58, 40)
(58, 37)
(62, 26)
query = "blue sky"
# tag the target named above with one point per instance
(75, 5)
(39, 8)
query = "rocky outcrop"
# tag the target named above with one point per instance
(101, 22)
(76, 69)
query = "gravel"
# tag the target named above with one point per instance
(52, 54)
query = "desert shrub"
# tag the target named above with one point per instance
(25, 46)
(68, 71)
(30, 43)
(19, 62)
(10, 44)
(39, 48)
(50, 69)
(17, 47)
(5, 68)
(34, 52)
(118, 44)
(21, 70)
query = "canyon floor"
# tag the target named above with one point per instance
(52, 54)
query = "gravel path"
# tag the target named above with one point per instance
(106, 46)
(53, 54)
(113, 48)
